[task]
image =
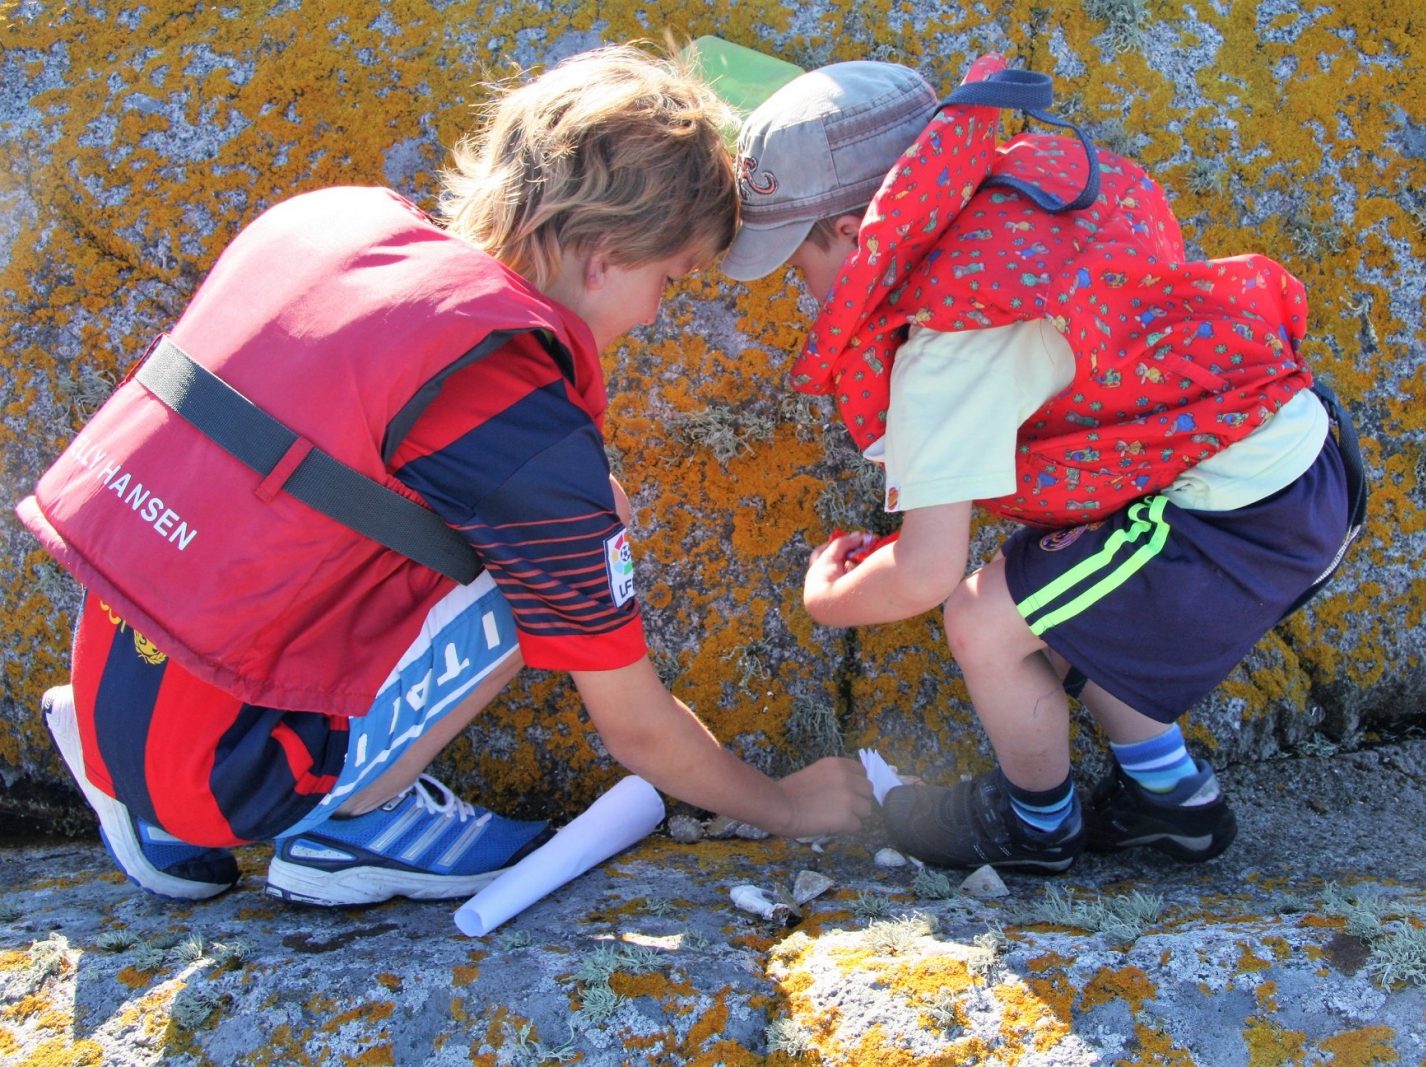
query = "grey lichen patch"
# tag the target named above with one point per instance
(117, 940)
(930, 884)
(752, 662)
(850, 503)
(43, 961)
(1126, 19)
(599, 1002)
(1122, 918)
(194, 1006)
(788, 1036)
(871, 905)
(1398, 954)
(727, 432)
(527, 1051)
(1313, 238)
(510, 940)
(813, 729)
(1207, 177)
(899, 936)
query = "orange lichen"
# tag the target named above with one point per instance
(1024, 1016)
(178, 130)
(1266, 994)
(1129, 984)
(652, 984)
(1154, 1048)
(1050, 981)
(1271, 1045)
(61, 1052)
(1249, 961)
(1367, 1047)
(133, 977)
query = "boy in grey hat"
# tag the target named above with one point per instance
(1057, 363)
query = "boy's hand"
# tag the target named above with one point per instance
(832, 796)
(657, 737)
(860, 580)
(829, 563)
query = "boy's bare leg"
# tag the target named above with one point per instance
(419, 756)
(1014, 687)
(1120, 723)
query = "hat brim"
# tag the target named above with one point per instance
(757, 251)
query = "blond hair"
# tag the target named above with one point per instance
(612, 149)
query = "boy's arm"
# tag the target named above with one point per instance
(656, 736)
(912, 574)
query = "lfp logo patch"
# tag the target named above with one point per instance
(619, 558)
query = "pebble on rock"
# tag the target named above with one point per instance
(751, 899)
(983, 882)
(685, 829)
(808, 885)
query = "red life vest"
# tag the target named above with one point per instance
(1174, 360)
(329, 312)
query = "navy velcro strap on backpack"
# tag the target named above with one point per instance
(1030, 92)
(1351, 451)
(319, 480)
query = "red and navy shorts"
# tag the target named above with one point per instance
(185, 755)
(1156, 604)
(212, 770)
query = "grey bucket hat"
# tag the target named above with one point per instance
(819, 146)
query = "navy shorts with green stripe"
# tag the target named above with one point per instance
(1156, 604)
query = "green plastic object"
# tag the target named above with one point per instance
(742, 77)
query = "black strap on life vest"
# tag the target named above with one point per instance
(319, 480)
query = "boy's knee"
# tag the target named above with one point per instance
(964, 626)
(982, 619)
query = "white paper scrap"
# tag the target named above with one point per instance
(883, 778)
(625, 814)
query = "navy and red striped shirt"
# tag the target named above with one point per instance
(511, 456)
(510, 453)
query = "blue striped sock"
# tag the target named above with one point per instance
(1159, 763)
(1045, 810)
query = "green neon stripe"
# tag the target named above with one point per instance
(1081, 571)
(1099, 561)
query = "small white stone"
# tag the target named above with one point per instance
(723, 827)
(685, 829)
(751, 899)
(808, 885)
(889, 857)
(719, 827)
(984, 882)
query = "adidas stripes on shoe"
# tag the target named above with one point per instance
(424, 843)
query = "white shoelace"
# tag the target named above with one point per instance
(427, 788)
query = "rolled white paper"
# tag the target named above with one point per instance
(625, 814)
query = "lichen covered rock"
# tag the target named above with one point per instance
(136, 141)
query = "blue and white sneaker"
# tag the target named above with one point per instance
(150, 857)
(425, 843)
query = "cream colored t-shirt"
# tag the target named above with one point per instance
(958, 399)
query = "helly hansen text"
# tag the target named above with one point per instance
(149, 508)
